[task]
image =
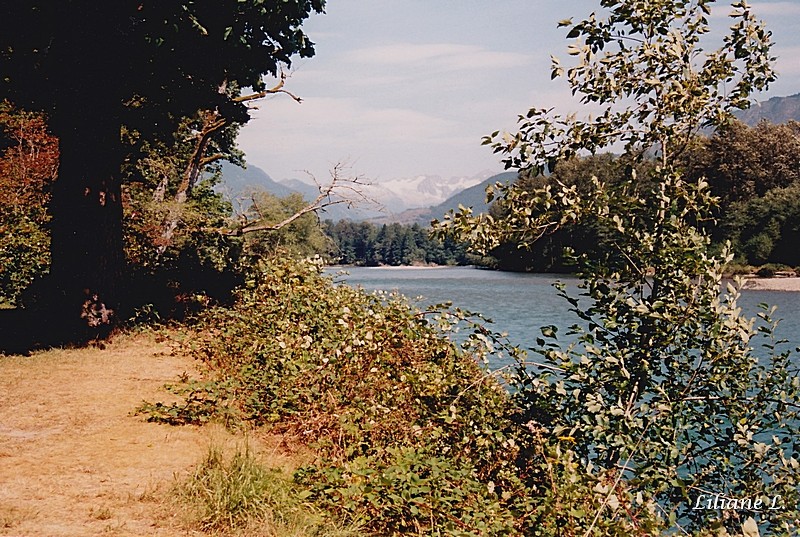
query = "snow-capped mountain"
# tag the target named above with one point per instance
(421, 191)
(394, 195)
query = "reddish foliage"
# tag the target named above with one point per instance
(28, 159)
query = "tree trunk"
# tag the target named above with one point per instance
(86, 288)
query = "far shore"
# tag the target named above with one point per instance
(771, 284)
(749, 283)
(397, 267)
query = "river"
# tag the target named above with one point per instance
(520, 304)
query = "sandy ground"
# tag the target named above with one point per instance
(74, 460)
(772, 284)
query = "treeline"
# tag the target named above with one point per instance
(753, 171)
(364, 243)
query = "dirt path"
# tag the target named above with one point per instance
(74, 461)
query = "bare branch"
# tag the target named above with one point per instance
(342, 189)
(278, 88)
(212, 123)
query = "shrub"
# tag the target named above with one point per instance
(24, 254)
(771, 269)
(412, 436)
(737, 269)
(28, 166)
(367, 380)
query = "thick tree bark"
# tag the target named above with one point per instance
(82, 296)
(86, 277)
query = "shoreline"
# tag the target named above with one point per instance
(749, 283)
(791, 284)
(395, 267)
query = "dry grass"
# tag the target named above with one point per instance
(237, 491)
(74, 461)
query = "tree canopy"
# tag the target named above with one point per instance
(151, 62)
(753, 172)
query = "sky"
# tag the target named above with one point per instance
(400, 88)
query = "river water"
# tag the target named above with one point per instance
(520, 304)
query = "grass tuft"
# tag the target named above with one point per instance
(237, 494)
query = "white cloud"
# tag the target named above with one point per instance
(408, 88)
(781, 9)
(342, 78)
(448, 56)
(284, 137)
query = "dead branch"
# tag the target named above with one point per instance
(212, 123)
(342, 189)
(278, 88)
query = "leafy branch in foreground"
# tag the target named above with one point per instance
(662, 384)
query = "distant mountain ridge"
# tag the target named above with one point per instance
(397, 196)
(422, 198)
(423, 190)
(775, 110)
(237, 181)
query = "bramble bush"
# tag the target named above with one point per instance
(369, 382)
(412, 435)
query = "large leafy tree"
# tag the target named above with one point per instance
(555, 251)
(94, 67)
(741, 162)
(299, 237)
(659, 388)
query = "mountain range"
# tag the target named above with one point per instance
(474, 196)
(422, 198)
(238, 182)
(394, 200)
(775, 110)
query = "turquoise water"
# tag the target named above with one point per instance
(522, 303)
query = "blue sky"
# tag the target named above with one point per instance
(400, 88)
